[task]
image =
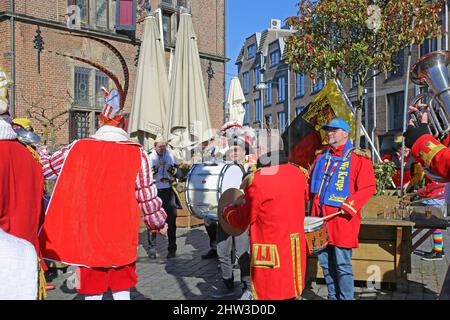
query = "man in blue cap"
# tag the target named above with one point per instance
(342, 181)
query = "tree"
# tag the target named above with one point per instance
(49, 116)
(352, 37)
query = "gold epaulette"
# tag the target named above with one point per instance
(319, 151)
(304, 171)
(363, 152)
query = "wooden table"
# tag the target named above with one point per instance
(422, 221)
(384, 253)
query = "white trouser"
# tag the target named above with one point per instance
(119, 295)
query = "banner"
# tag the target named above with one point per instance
(304, 136)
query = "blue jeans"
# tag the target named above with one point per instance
(336, 264)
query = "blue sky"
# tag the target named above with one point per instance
(245, 17)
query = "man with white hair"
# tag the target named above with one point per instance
(164, 169)
(342, 181)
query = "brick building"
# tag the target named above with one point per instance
(68, 90)
(277, 94)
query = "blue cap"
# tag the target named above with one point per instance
(337, 123)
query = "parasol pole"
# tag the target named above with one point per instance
(405, 112)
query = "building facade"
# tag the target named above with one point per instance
(64, 94)
(276, 94)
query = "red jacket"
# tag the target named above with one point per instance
(433, 155)
(274, 209)
(93, 216)
(21, 192)
(343, 229)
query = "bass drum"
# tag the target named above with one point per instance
(205, 184)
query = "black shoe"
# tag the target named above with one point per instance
(225, 290)
(152, 253)
(433, 255)
(171, 254)
(211, 254)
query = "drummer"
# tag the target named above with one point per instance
(239, 151)
(275, 218)
(342, 180)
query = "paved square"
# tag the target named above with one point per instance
(188, 277)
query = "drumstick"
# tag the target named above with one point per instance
(325, 218)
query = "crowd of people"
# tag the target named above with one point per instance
(99, 201)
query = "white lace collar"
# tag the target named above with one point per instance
(111, 133)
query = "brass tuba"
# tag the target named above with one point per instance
(432, 70)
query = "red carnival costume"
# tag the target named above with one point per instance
(22, 186)
(277, 239)
(343, 230)
(433, 155)
(93, 216)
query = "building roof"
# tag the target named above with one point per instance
(264, 39)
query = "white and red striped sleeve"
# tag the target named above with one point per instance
(52, 164)
(147, 196)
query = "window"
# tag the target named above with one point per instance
(258, 110)
(167, 28)
(299, 110)
(398, 62)
(81, 86)
(96, 9)
(354, 81)
(395, 103)
(247, 112)
(257, 75)
(79, 125)
(88, 102)
(84, 9)
(317, 84)
(251, 51)
(268, 119)
(101, 80)
(299, 85)
(268, 93)
(245, 82)
(274, 58)
(281, 89)
(428, 45)
(281, 121)
(101, 14)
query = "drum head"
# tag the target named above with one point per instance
(229, 196)
(232, 177)
(312, 223)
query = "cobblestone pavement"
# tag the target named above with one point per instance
(188, 277)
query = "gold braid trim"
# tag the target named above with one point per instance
(305, 171)
(42, 292)
(34, 153)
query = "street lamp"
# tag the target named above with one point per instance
(261, 87)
